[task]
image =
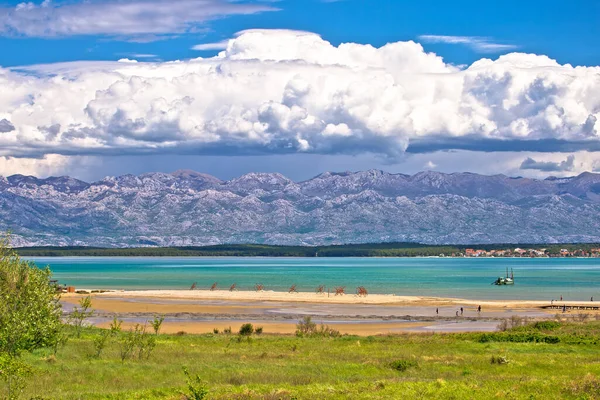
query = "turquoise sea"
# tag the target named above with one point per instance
(535, 279)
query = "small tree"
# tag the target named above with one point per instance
(81, 313)
(115, 325)
(100, 342)
(29, 314)
(157, 323)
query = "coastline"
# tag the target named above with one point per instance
(311, 297)
(202, 311)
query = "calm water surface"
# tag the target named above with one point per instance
(543, 279)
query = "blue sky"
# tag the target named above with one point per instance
(493, 90)
(564, 30)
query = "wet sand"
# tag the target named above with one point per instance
(202, 311)
(270, 327)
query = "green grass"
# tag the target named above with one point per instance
(285, 367)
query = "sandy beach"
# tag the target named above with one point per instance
(202, 311)
(325, 298)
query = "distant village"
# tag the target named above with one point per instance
(518, 252)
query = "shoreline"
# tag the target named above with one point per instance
(316, 298)
(201, 311)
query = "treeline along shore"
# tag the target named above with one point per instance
(348, 250)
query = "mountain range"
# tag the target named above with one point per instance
(187, 208)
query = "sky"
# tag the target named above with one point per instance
(95, 88)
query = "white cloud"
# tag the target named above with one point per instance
(143, 55)
(479, 44)
(282, 92)
(46, 166)
(211, 46)
(430, 165)
(142, 20)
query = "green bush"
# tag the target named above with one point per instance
(546, 325)
(305, 327)
(196, 388)
(246, 330)
(518, 337)
(403, 365)
(137, 343)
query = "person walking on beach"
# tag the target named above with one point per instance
(564, 308)
(461, 311)
(457, 313)
(479, 309)
(437, 311)
(560, 298)
(592, 298)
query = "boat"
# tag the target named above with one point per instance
(505, 280)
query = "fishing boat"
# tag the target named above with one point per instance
(505, 280)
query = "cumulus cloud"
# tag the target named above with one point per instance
(143, 20)
(479, 44)
(549, 166)
(282, 92)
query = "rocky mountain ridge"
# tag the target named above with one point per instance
(189, 208)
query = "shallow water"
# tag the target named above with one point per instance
(470, 278)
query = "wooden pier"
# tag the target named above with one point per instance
(572, 307)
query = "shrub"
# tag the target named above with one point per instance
(305, 327)
(137, 342)
(499, 360)
(115, 325)
(258, 330)
(196, 388)
(546, 325)
(157, 323)
(100, 343)
(246, 330)
(216, 331)
(30, 316)
(403, 365)
(518, 337)
(512, 322)
(15, 373)
(326, 331)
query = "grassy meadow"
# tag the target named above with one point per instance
(543, 361)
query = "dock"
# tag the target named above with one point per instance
(572, 307)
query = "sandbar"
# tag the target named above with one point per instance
(203, 311)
